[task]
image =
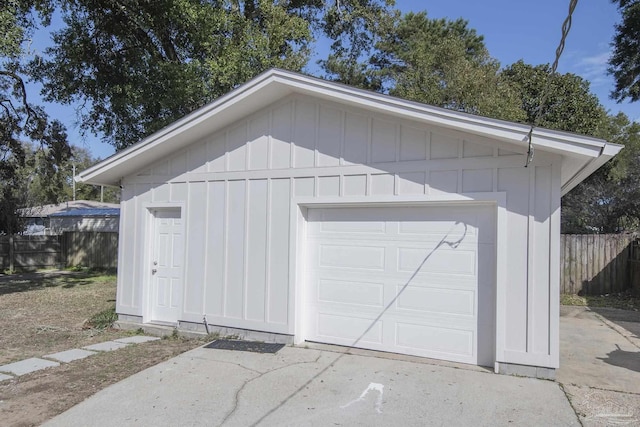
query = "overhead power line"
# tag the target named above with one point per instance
(566, 27)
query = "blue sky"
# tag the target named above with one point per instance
(513, 30)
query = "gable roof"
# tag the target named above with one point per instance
(582, 155)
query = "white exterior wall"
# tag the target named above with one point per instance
(239, 188)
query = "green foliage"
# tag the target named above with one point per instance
(444, 63)
(355, 27)
(140, 65)
(609, 200)
(624, 63)
(569, 106)
(44, 180)
(19, 119)
(103, 320)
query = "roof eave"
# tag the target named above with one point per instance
(609, 150)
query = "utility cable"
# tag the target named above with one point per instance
(566, 27)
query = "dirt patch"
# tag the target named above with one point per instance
(622, 301)
(31, 399)
(44, 313)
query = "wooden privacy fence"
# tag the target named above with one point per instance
(597, 264)
(634, 264)
(72, 248)
(90, 249)
(30, 252)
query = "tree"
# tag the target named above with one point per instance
(139, 65)
(624, 63)
(445, 63)
(570, 106)
(609, 200)
(19, 119)
(438, 62)
(355, 27)
(82, 159)
(44, 182)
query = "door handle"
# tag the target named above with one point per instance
(154, 271)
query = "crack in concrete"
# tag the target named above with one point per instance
(567, 396)
(247, 382)
(231, 363)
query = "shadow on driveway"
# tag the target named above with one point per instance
(624, 359)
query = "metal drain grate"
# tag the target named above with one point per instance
(255, 347)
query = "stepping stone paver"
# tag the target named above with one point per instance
(35, 364)
(70, 355)
(27, 366)
(105, 346)
(137, 339)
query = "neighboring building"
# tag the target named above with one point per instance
(84, 215)
(88, 219)
(310, 210)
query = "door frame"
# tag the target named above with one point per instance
(298, 237)
(148, 219)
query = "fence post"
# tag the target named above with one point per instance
(634, 268)
(11, 254)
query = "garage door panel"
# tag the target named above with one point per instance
(356, 227)
(352, 256)
(453, 342)
(386, 268)
(391, 316)
(436, 300)
(440, 260)
(348, 329)
(350, 292)
(437, 229)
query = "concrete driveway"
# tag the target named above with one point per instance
(320, 385)
(600, 364)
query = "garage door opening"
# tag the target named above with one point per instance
(410, 280)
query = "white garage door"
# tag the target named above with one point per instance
(412, 280)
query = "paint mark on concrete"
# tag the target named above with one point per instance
(372, 387)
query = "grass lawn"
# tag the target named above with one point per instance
(46, 312)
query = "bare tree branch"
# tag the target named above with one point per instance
(18, 80)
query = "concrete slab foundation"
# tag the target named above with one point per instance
(525, 371)
(5, 377)
(27, 366)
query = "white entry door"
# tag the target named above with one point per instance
(167, 266)
(412, 280)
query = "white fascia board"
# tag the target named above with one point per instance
(276, 84)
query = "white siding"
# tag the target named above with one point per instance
(238, 186)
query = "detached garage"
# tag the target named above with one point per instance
(297, 209)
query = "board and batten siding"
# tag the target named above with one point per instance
(237, 187)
